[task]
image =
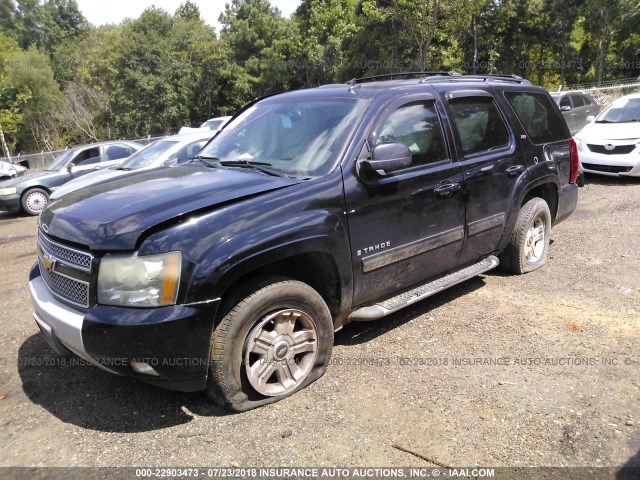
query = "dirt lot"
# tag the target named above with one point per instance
(537, 370)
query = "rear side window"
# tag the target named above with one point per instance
(416, 125)
(578, 101)
(479, 124)
(116, 152)
(539, 116)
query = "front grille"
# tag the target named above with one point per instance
(606, 168)
(617, 149)
(65, 270)
(69, 256)
(70, 289)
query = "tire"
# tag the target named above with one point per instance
(34, 201)
(253, 359)
(529, 243)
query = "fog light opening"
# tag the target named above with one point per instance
(144, 369)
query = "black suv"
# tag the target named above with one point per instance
(309, 210)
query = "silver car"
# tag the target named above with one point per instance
(575, 108)
(10, 170)
(164, 152)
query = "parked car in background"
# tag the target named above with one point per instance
(575, 108)
(165, 152)
(31, 192)
(10, 170)
(610, 144)
(213, 124)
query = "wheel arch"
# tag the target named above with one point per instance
(317, 268)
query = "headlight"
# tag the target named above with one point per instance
(578, 143)
(149, 281)
(8, 191)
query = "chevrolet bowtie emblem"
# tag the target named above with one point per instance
(47, 262)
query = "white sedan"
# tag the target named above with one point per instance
(610, 144)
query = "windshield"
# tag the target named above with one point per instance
(298, 138)
(623, 110)
(62, 160)
(144, 157)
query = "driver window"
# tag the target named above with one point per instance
(87, 157)
(417, 126)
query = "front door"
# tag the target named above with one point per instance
(408, 226)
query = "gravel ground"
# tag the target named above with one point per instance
(535, 370)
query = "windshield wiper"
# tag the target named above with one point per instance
(203, 159)
(258, 166)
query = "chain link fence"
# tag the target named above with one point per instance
(42, 160)
(606, 92)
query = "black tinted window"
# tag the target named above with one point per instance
(539, 116)
(417, 126)
(565, 102)
(479, 124)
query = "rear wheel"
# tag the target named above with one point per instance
(34, 201)
(272, 343)
(529, 244)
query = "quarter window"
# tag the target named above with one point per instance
(416, 125)
(479, 124)
(539, 116)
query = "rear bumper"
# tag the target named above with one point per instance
(567, 202)
(174, 341)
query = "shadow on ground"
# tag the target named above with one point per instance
(90, 398)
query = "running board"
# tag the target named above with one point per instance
(394, 304)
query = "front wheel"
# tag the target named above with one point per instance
(529, 243)
(34, 201)
(274, 342)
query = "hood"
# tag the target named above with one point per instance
(594, 132)
(86, 180)
(114, 214)
(14, 182)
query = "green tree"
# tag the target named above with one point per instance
(261, 46)
(326, 27)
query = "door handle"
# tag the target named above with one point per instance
(447, 189)
(515, 170)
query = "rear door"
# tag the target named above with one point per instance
(492, 164)
(407, 226)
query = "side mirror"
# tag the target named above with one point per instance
(566, 108)
(70, 167)
(590, 118)
(170, 162)
(388, 158)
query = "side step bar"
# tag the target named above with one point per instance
(405, 299)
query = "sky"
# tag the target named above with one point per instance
(100, 12)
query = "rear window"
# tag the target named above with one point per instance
(539, 116)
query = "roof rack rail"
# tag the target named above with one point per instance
(507, 77)
(355, 81)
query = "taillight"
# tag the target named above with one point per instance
(575, 161)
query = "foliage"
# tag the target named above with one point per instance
(63, 81)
